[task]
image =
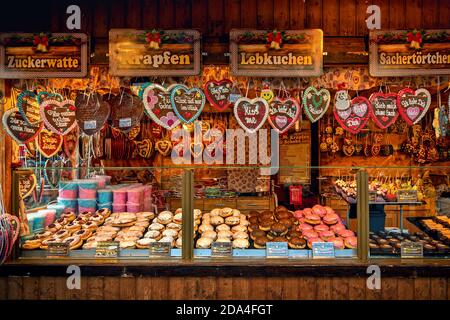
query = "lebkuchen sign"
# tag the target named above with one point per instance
(290, 53)
(154, 52)
(43, 55)
(409, 52)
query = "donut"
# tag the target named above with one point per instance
(153, 234)
(260, 242)
(216, 220)
(321, 227)
(241, 243)
(297, 243)
(178, 218)
(44, 235)
(223, 227)
(326, 235)
(97, 218)
(351, 242)
(239, 228)
(224, 234)
(144, 243)
(309, 234)
(331, 218)
(62, 221)
(254, 226)
(253, 220)
(83, 234)
(226, 212)
(337, 228)
(70, 216)
(304, 227)
(143, 224)
(215, 212)
(54, 227)
(85, 214)
(73, 227)
(244, 223)
(165, 217)
(179, 243)
(319, 210)
(256, 234)
(174, 226)
(338, 243)
(170, 232)
(346, 233)
(209, 234)
(279, 239)
(204, 243)
(328, 210)
(156, 226)
(293, 233)
(62, 234)
(236, 213)
(205, 227)
(104, 212)
(240, 235)
(90, 225)
(31, 244)
(145, 215)
(312, 218)
(287, 222)
(298, 214)
(278, 229)
(265, 225)
(283, 215)
(197, 213)
(44, 243)
(74, 242)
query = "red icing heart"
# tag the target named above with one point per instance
(358, 116)
(413, 105)
(283, 114)
(218, 93)
(383, 109)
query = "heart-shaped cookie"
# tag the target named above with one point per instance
(92, 112)
(17, 128)
(251, 113)
(187, 103)
(71, 142)
(158, 106)
(413, 105)
(44, 95)
(218, 93)
(126, 110)
(59, 116)
(27, 184)
(31, 149)
(48, 143)
(316, 102)
(163, 147)
(283, 113)
(144, 148)
(28, 106)
(355, 117)
(52, 172)
(383, 109)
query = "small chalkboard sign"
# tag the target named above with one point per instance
(58, 249)
(277, 250)
(159, 249)
(221, 249)
(107, 249)
(323, 250)
(411, 250)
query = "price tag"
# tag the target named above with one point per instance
(58, 249)
(160, 249)
(107, 249)
(221, 249)
(90, 125)
(277, 250)
(125, 123)
(411, 250)
(323, 250)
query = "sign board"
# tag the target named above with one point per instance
(290, 53)
(154, 53)
(160, 249)
(406, 195)
(43, 55)
(409, 52)
(107, 249)
(277, 250)
(295, 157)
(221, 249)
(411, 250)
(58, 249)
(323, 250)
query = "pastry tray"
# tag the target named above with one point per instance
(199, 253)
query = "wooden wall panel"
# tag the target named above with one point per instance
(297, 14)
(281, 14)
(232, 15)
(166, 11)
(444, 14)
(216, 24)
(183, 14)
(347, 18)
(150, 14)
(330, 15)
(360, 16)
(265, 18)
(397, 14)
(413, 14)
(249, 10)
(314, 14)
(385, 11)
(199, 14)
(430, 20)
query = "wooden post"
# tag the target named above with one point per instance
(187, 249)
(362, 181)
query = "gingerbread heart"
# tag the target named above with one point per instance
(48, 143)
(218, 93)
(59, 116)
(28, 106)
(92, 112)
(17, 128)
(144, 148)
(158, 106)
(251, 113)
(316, 102)
(44, 95)
(355, 117)
(187, 103)
(383, 109)
(27, 184)
(70, 142)
(163, 147)
(283, 113)
(52, 172)
(413, 105)
(126, 110)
